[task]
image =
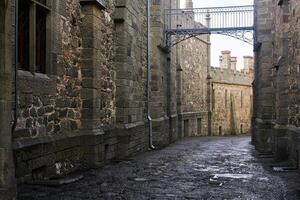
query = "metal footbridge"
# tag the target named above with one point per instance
(234, 21)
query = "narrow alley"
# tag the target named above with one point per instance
(193, 168)
(149, 99)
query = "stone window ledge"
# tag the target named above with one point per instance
(27, 74)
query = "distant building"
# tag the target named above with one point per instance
(231, 96)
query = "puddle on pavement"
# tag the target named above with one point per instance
(234, 176)
(203, 168)
(263, 179)
(140, 179)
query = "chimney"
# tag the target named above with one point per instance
(248, 64)
(233, 62)
(225, 60)
(189, 4)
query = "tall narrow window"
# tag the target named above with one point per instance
(242, 99)
(23, 35)
(199, 126)
(225, 98)
(213, 99)
(41, 21)
(32, 35)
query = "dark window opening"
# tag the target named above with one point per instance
(242, 131)
(41, 21)
(23, 35)
(220, 131)
(32, 35)
(225, 98)
(199, 124)
(186, 127)
(242, 103)
(213, 100)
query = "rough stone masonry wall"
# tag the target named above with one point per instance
(286, 80)
(294, 64)
(62, 114)
(51, 103)
(232, 102)
(193, 55)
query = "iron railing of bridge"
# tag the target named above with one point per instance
(234, 21)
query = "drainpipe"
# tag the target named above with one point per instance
(16, 65)
(149, 73)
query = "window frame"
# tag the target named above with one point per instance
(32, 38)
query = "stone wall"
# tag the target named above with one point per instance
(294, 64)
(90, 107)
(263, 91)
(98, 69)
(130, 60)
(163, 79)
(7, 180)
(76, 96)
(50, 103)
(277, 75)
(193, 56)
(232, 97)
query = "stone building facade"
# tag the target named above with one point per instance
(276, 98)
(194, 71)
(232, 96)
(81, 85)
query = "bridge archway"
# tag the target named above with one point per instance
(234, 21)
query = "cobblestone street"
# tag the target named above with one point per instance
(193, 168)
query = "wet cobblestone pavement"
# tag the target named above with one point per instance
(193, 168)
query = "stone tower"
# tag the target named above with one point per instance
(189, 4)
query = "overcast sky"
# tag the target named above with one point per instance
(219, 42)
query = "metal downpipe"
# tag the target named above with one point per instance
(151, 146)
